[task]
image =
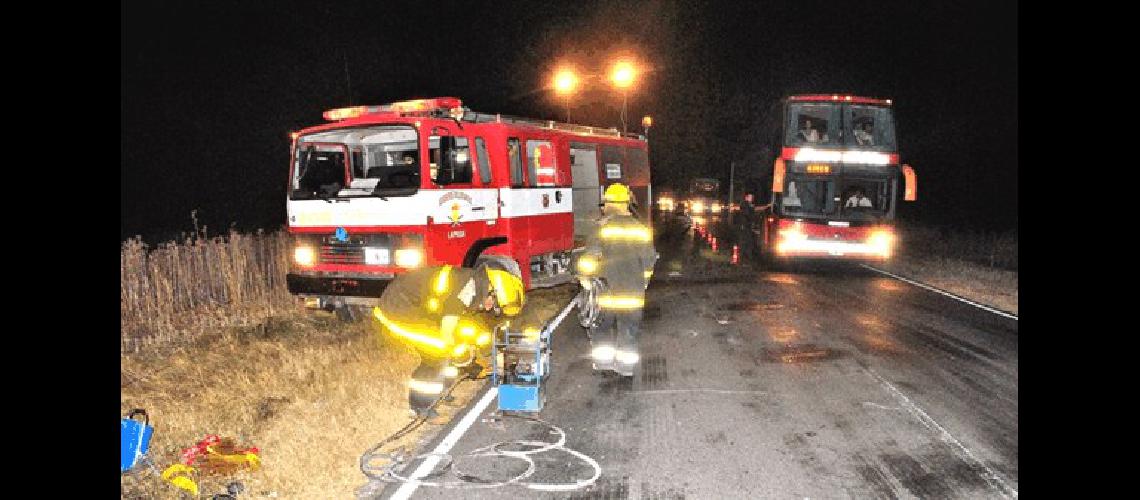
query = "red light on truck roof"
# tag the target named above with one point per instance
(409, 106)
(336, 115)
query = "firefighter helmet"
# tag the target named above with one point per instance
(617, 193)
(504, 288)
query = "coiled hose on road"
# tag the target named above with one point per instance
(395, 459)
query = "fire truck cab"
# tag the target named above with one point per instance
(834, 181)
(383, 189)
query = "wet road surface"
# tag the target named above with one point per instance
(820, 382)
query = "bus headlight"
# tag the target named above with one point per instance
(304, 256)
(409, 257)
(882, 241)
(790, 238)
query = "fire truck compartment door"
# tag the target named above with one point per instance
(586, 196)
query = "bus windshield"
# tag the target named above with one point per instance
(861, 126)
(852, 198)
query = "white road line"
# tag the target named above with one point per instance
(405, 491)
(690, 391)
(943, 292)
(991, 477)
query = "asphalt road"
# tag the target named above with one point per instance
(819, 382)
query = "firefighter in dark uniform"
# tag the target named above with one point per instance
(747, 218)
(448, 314)
(618, 259)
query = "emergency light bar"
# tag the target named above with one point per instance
(411, 106)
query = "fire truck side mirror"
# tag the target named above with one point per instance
(911, 190)
(778, 176)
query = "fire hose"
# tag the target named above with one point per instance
(387, 472)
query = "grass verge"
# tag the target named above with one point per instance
(310, 392)
(979, 266)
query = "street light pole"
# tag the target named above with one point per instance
(623, 75)
(624, 100)
(731, 178)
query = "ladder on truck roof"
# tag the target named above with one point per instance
(476, 117)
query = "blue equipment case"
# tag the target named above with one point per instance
(134, 439)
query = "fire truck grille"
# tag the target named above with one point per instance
(342, 254)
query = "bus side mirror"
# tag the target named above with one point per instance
(778, 176)
(911, 192)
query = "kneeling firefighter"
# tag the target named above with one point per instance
(448, 315)
(615, 269)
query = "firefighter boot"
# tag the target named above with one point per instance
(627, 356)
(602, 346)
(426, 386)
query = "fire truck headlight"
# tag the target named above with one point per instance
(882, 241)
(409, 257)
(304, 256)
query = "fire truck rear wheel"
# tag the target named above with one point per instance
(351, 314)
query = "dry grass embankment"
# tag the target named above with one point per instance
(977, 265)
(211, 342)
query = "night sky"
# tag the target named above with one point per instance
(210, 90)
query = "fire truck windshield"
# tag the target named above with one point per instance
(833, 124)
(852, 198)
(369, 161)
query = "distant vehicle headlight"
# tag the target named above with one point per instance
(698, 207)
(716, 207)
(304, 256)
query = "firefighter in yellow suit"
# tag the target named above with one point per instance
(448, 315)
(618, 259)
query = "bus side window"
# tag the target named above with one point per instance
(516, 162)
(484, 161)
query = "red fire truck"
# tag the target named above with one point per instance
(835, 180)
(383, 189)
